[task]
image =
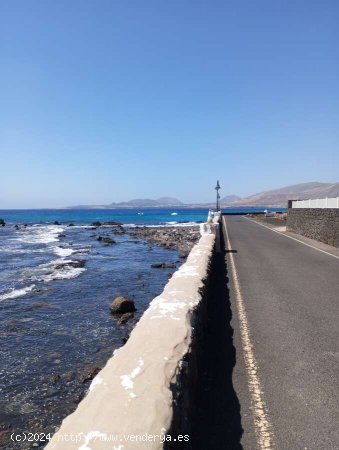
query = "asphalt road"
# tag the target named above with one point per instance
(290, 293)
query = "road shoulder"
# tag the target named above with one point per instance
(281, 229)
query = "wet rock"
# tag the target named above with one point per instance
(80, 263)
(121, 305)
(106, 240)
(40, 289)
(71, 225)
(180, 238)
(57, 222)
(88, 373)
(163, 266)
(61, 235)
(125, 318)
(183, 253)
(68, 376)
(54, 378)
(119, 230)
(2, 223)
(112, 223)
(74, 264)
(39, 305)
(109, 223)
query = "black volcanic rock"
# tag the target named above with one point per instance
(106, 240)
(74, 264)
(122, 305)
(163, 266)
(176, 238)
(112, 223)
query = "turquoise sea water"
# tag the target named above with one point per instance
(127, 216)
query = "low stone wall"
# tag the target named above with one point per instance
(319, 224)
(142, 398)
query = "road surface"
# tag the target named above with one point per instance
(285, 315)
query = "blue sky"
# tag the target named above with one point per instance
(106, 101)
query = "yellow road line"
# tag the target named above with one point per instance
(263, 428)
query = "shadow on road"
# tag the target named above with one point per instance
(217, 424)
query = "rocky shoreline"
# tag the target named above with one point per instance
(66, 325)
(178, 238)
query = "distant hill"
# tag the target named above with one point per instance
(170, 201)
(148, 203)
(276, 198)
(229, 199)
(162, 202)
(279, 197)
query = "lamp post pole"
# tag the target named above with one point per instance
(218, 196)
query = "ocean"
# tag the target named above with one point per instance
(56, 284)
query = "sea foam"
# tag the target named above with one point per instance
(14, 293)
(42, 234)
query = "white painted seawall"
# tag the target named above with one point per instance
(130, 401)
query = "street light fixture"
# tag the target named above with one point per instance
(218, 196)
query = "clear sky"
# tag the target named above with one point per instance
(106, 101)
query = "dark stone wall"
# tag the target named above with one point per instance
(319, 224)
(185, 385)
(205, 404)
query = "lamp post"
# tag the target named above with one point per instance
(218, 196)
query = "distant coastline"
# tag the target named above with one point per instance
(193, 206)
(276, 198)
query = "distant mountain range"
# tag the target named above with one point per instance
(162, 202)
(229, 199)
(279, 197)
(276, 198)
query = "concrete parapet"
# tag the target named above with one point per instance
(315, 223)
(145, 391)
(209, 228)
